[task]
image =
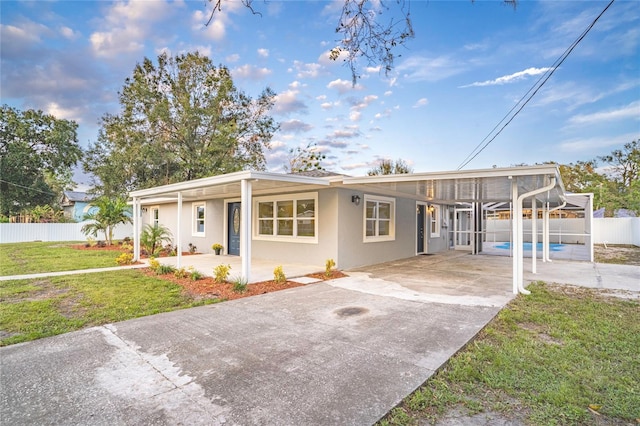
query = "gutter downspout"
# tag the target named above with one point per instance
(519, 237)
(179, 233)
(548, 259)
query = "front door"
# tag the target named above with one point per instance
(233, 229)
(421, 225)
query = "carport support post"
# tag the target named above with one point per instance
(545, 232)
(178, 233)
(534, 234)
(136, 229)
(516, 217)
(245, 228)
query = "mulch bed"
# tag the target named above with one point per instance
(207, 288)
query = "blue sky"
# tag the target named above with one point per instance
(469, 63)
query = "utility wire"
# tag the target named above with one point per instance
(26, 187)
(530, 93)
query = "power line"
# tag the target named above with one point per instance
(532, 91)
(26, 187)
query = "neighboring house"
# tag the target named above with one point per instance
(76, 204)
(357, 221)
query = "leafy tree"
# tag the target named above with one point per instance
(364, 32)
(153, 236)
(37, 153)
(389, 167)
(181, 119)
(110, 212)
(305, 159)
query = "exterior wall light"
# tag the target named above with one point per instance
(355, 199)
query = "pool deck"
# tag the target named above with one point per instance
(558, 251)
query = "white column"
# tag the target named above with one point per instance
(515, 239)
(545, 232)
(534, 234)
(245, 228)
(179, 233)
(136, 229)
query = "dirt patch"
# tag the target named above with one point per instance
(618, 254)
(323, 277)
(45, 291)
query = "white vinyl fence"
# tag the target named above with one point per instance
(618, 230)
(24, 232)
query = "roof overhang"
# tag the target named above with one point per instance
(229, 186)
(483, 185)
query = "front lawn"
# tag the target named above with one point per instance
(32, 309)
(563, 355)
(35, 257)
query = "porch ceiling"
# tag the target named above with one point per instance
(487, 185)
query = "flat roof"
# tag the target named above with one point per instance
(448, 187)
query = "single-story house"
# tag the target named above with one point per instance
(75, 204)
(356, 221)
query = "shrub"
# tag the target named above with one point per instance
(328, 267)
(165, 269)
(194, 275)
(279, 276)
(154, 264)
(221, 272)
(152, 238)
(124, 259)
(90, 242)
(127, 246)
(239, 285)
(181, 273)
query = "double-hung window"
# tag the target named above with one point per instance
(290, 217)
(435, 220)
(155, 216)
(379, 218)
(198, 219)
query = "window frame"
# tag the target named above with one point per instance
(275, 219)
(434, 226)
(195, 220)
(392, 219)
(154, 220)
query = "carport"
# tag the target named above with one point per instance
(531, 187)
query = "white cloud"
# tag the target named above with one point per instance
(630, 111)
(355, 115)
(127, 24)
(288, 102)
(295, 126)
(310, 70)
(234, 57)
(263, 53)
(250, 72)
(325, 58)
(388, 93)
(417, 68)
(321, 97)
(595, 143)
(421, 102)
(68, 33)
(342, 86)
(511, 78)
(326, 105)
(365, 102)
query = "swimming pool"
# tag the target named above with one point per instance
(528, 246)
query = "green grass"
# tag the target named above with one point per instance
(32, 309)
(543, 360)
(35, 257)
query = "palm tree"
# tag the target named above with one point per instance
(110, 212)
(153, 236)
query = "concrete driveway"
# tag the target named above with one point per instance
(325, 353)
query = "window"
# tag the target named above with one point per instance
(198, 216)
(155, 216)
(379, 218)
(287, 217)
(435, 220)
